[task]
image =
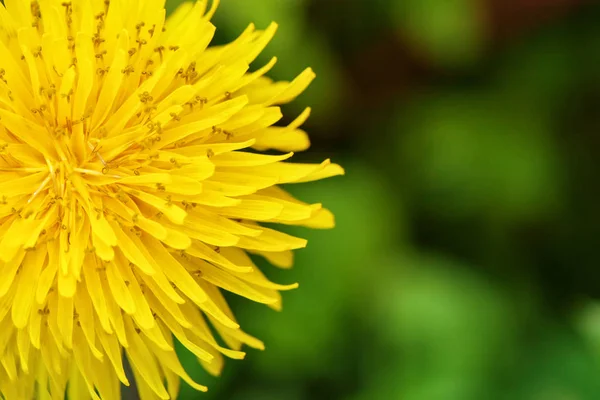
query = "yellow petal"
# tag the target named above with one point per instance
(143, 315)
(169, 360)
(175, 271)
(94, 287)
(24, 296)
(85, 317)
(142, 360)
(131, 250)
(271, 240)
(171, 211)
(118, 288)
(65, 319)
(113, 351)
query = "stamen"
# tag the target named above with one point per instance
(95, 173)
(52, 173)
(95, 150)
(128, 70)
(139, 27)
(98, 40)
(39, 189)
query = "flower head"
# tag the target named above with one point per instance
(132, 192)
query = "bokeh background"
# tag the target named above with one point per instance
(465, 261)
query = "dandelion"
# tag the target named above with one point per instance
(132, 193)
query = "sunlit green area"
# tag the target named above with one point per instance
(465, 263)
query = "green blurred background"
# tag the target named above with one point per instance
(464, 264)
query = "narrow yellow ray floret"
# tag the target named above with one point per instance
(132, 193)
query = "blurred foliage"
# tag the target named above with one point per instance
(448, 32)
(464, 264)
(476, 155)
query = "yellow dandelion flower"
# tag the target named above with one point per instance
(132, 192)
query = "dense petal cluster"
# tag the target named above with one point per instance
(132, 193)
